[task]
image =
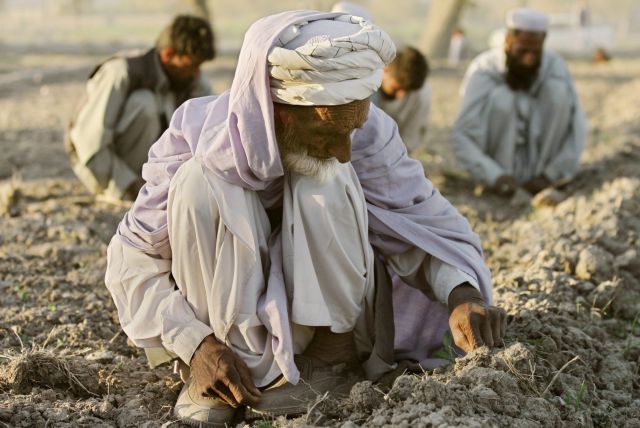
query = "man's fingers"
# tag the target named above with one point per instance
(247, 381)
(460, 339)
(472, 331)
(223, 392)
(239, 391)
(241, 394)
(485, 330)
(496, 326)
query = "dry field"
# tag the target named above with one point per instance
(568, 275)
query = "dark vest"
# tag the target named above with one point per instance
(143, 73)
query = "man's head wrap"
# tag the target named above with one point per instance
(525, 19)
(329, 62)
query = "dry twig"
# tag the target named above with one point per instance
(558, 374)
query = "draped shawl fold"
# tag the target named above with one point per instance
(233, 135)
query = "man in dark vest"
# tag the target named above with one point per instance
(129, 101)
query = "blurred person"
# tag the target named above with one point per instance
(520, 123)
(128, 103)
(600, 56)
(457, 47)
(405, 95)
(256, 253)
(583, 13)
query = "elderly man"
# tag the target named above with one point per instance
(257, 252)
(520, 123)
(128, 104)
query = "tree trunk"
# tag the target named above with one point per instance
(441, 21)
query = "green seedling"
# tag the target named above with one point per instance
(534, 342)
(263, 423)
(446, 352)
(576, 400)
(22, 294)
(578, 308)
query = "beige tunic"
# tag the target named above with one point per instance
(114, 128)
(524, 134)
(222, 269)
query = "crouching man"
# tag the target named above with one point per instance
(258, 252)
(520, 124)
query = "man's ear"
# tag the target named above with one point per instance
(166, 54)
(508, 40)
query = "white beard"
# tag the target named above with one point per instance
(303, 164)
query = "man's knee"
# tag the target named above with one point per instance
(190, 193)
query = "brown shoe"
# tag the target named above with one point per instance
(316, 379)
(195, 410)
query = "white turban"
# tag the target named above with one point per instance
(525, 19)
(329, 62)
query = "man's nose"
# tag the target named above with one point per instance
(529, 59)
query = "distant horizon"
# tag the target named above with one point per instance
(137, 22)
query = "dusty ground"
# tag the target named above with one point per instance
(569, 277)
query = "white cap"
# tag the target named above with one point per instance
(352, 9)
(525, 19)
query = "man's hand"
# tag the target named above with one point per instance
(218, 372)
(537, 184)
(505, 185)
(473, 323)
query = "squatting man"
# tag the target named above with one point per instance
(520, 124)
(277, 224)
(128, 103)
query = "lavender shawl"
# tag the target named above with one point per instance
(233, 135)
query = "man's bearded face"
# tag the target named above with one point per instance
(390, 88)
(314, 139)
(524, 55)
(181, 70)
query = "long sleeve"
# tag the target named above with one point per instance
(434, 277)
(93, 130)
(565, 163)
(152, 311)
(470, 132)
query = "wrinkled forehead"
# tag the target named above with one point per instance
(345, 116)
